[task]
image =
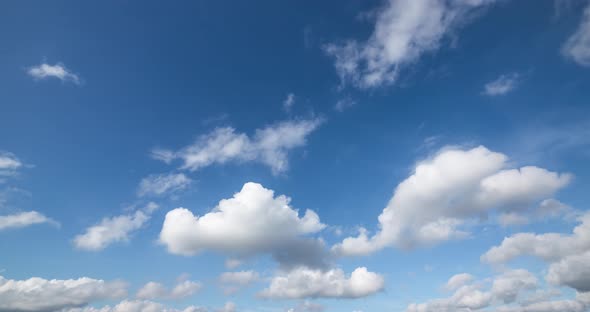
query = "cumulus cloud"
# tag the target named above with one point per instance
(445, 191)
(269, 145)
(577, 47)
(38, 294)
(307, 306)
(161, 184)
(241, 225)
(112, 230)
(59, 71)
(458, 280)
(231, 282)
(468, 296)
(24, 219)
(137, 306)
(502, 85)
(568, 255)
(404, 31)
(303, 282)
(182, 289)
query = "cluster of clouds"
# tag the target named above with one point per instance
(183, 289)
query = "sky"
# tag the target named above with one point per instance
(295, 156)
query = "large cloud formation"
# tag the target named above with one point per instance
(445, 191)
(404, 31)
(253, 221)
(269, 145)
(38, 294)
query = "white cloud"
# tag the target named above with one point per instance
(158, 185)
(231, 282)
(577, 47)
(307, 306)
(502, 85)
(9, 163)
(233, 263)
(505, 289)
(458, 280)
(137, 306)
(449, 189)
(404, 31)
(303, 282)
(269, 146)
(241, 225)
(344, 104)
(152, 290)
(115, 229)
(289, 102)
(228, 307)
(59, 71)
(23, 219)
(37, 294)
(185, 289)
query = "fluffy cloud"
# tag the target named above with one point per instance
(448, 189)
(502, 85)
(577, 47)
(157, 185)
(37, 294)
(269, 146)
(241, 225)
(231, 282)
(404, 31)
(183, 289)
(458, 280)
(59, 71)
(115, 229)
(307, 306)
(23, 219)
(311, 283)
(504, 289)
(568, 255)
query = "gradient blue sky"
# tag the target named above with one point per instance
(324, 102)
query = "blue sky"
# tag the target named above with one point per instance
(389, 155)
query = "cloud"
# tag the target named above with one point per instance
(577, 46)
(9, 163)
(344, 104)
(59, 71)
(458, 280)
(137, 306)
(23, 219)
(182, 289)
(404, 31)
(233, 281)
(241, 225)
(504, 289)
(269, 145)
(289, 102)
(158, 185)
(303, 282)
(233, 263)
(41, 295)
(115, 229)
(228, 307)
(307, 306)
(449, 189)
(502, 85)
(568, 255)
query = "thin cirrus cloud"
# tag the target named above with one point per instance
(449, 189)
(58, 71)
(114, 229)
(24, 219)
(239, 227)
(161, 184)
(577, 46)
(404, 31)
(502, 85)
(38, 294)
(269, 146)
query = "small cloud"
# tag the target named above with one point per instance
(577, 47)
(502, 85)
(162, 184)
(344, 104)
(59, 71)
(288, 102)
(24, 219)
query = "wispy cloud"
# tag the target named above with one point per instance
(502, 85)
(577, 47)
(59, 71)
(24, 219)
(289, 102)
(161, 184)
